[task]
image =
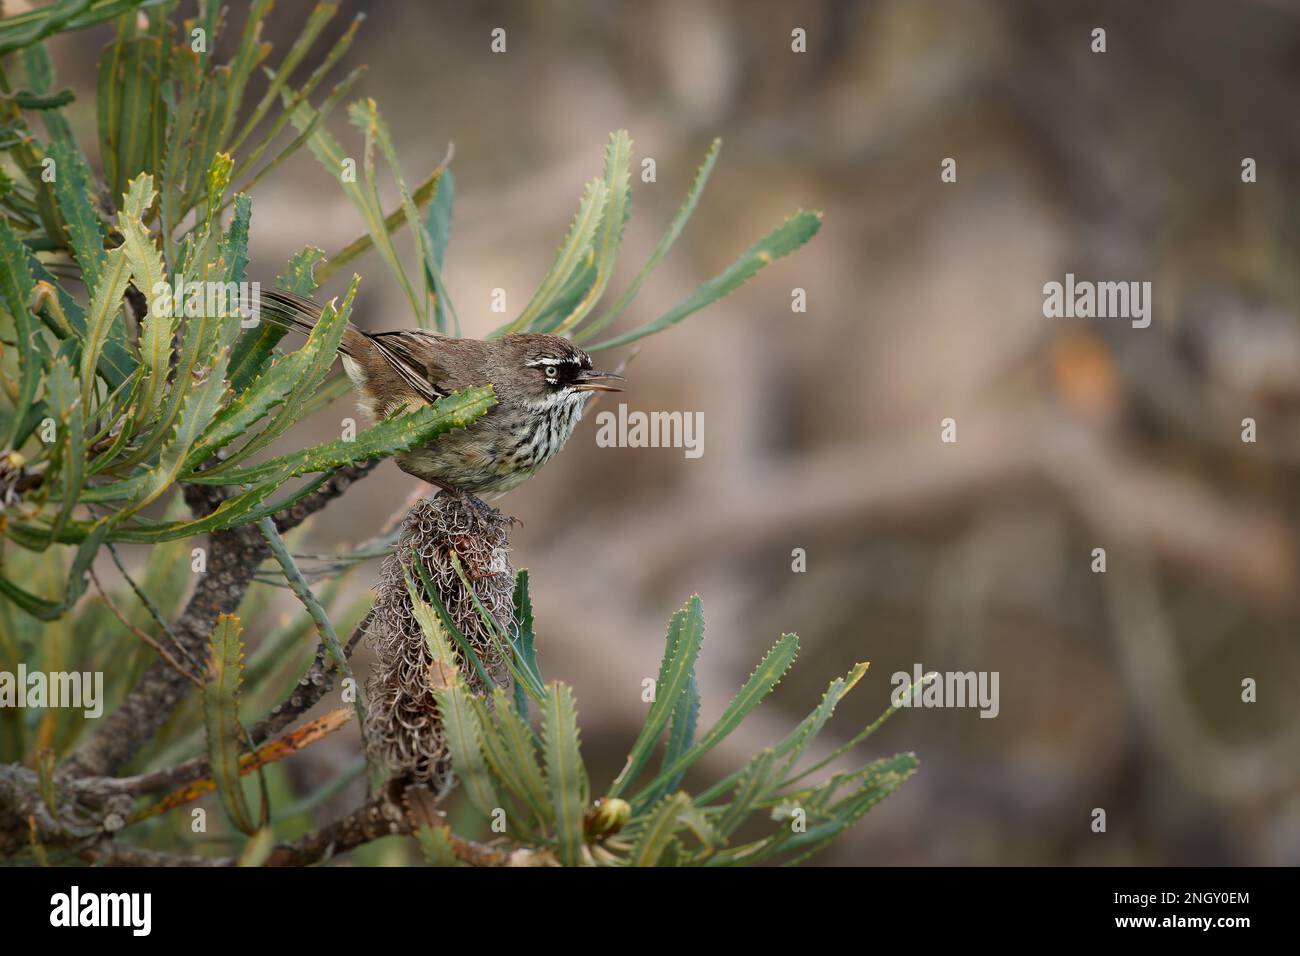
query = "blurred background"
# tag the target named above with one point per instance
(1119, 690)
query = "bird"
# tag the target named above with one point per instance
(543, 384)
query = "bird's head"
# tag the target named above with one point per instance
(544, 370)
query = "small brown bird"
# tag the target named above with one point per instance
(542, 383)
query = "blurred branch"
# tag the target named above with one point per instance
(892, 483)
(233, 559)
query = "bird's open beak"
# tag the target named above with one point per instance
(592, 382)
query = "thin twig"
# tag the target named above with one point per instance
(152, 608)
(158, 648)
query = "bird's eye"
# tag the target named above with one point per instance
(551, 372)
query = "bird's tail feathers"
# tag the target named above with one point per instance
(292, 311)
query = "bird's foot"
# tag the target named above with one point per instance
(484, 512)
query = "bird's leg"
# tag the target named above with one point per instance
(484, 510)
(487, 513)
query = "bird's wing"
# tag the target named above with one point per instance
(420, 374)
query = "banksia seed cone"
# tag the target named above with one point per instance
(403, 727)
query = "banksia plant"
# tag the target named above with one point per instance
(457, 556)
(140, 421)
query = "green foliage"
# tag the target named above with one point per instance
(546, 796)
(190, 395)
(221, 717)
(106, 416)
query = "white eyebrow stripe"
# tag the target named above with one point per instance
(552, 361)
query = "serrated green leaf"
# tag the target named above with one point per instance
(518, 749)
(566, 775)
(221, 718)
(435, 846)
(885, 777)
(766, 676)
(249, 407)
(502, 768)
(676, 671)
(659, 830)
(149, 276)
(16, 285)
(319, 351)
(105, 306)
(74, 192)
(794, 744)
(66, 400)
(386, 438)
(526, 642)
(461, 729)
(200, 405)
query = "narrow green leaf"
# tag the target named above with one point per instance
(675, 228)
(526, 646)
(16, 285)
(292, 99)
(566, 775)
(681, 732)
(255, 346)
(794, 744)
(324, 626)
(660, 830)
(105, 306)
(435, 846)
(676, 671)
(577, 245)
(784, 239)
(221, 717)
(517, 744)
(754, 784)
(32, 26)
(437, 224)
(766, 676)
(461, 729)
(423, 248)
(320, 15)
(386, 438)
(74, 192)
(200, 405)
(66, 401)
(618, 206)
